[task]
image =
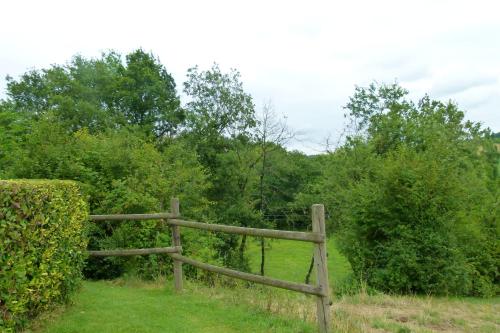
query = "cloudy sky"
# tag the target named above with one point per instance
(304, 56)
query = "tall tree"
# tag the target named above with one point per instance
(219, 109)
(270, 135)
(413, 194)
(148, 96)
(220, 116)
(79, 94)
(13, 127)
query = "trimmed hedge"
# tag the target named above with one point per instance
(42, 246)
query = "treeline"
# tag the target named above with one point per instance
(412, 193)
(117, 126)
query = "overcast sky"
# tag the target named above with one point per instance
(304, 56)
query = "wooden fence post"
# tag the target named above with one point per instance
(176, 241)
(322, 302)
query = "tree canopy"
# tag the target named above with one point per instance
(103, 93)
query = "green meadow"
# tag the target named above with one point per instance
(111, 307)
(131, 305)
(290, 260)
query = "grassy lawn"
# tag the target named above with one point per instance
(290, 260)
(103, 307)
(134, 306)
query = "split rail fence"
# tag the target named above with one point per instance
(173, 219)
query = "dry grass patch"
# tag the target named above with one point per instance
(418, 314)
(372, 313)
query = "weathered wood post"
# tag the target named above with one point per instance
(320, 259)
(176, 241)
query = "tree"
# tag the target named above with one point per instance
(220, 116)
(79, 94)
(147, 95)
(219, 111)
(120, 171)
(271, 135)
(13, 127)
(100, 94)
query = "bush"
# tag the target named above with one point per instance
(42, 248)
(402, 232)
(413, 197)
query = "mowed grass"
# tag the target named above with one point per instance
(134, 306)
(102, 307)
(290, 260)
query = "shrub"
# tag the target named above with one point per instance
(413, 196)
(42, 248)
(401, 236)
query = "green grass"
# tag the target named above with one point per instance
(132, 306)
(290, 260)
(106, 307)
(125, 307)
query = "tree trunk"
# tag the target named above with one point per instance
(262, 208)
(243, 245)
(262, 255)
(308, 276)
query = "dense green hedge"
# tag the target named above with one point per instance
(42, 246)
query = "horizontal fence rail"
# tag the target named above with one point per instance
(313, 237)
(130, 217)
(300, 287)
(134, 252)
(269, 233)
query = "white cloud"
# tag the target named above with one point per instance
(304, 55)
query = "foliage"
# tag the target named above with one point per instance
(140, 179)
(303, 174)
(218, 104)
(103, 93)
(414, 195)
(220, 115)
(121, 172)
(147, 95)
(43, 232)
(218, 109)
(13, 127)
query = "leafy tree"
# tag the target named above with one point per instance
(219, 109)
(79, 94)
(271, 134)
(147, 95)
(100, 94)
(220, 116)
(232, 193)
(13, 126)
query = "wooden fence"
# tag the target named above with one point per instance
(317, 236)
